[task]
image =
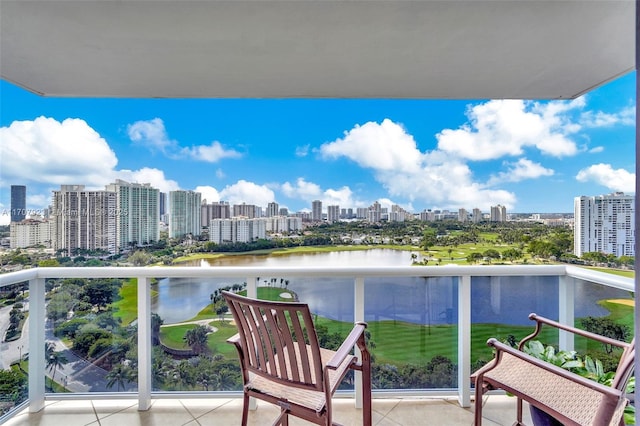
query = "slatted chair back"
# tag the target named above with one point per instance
(625, 368)
(279, 341)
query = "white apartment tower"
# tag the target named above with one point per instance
(137, 213)
(237, 230)
(30, 233)
(184, 213)
(83, 220)
(333, 214)
(605, 224)
(498, 213)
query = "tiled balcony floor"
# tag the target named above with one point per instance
(498, 410)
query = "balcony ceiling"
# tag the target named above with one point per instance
(477, 49)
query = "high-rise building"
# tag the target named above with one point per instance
(476, 216)
(272, 209)
(220, 210)
(184, 213)
(83, 220)
(333, 214)
(463, 215)
(245, 210)
(604, 224)
(18, 203)
(375, 212)
(162, 204)
(137, 213)
(498, 213)
(237, 230)
(316, 210)
(30, 233)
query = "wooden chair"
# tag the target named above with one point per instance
(568, 397)
(283, 364)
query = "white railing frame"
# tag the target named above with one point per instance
(36, 278)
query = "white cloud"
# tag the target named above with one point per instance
(434, 178)
(501, 128)
(46, 150)
(152, 176)
(210, 153)
(384, 146)
(247, 192)
(302, 189)
(625, 117)
(151, 134)
(209, 193)
(302, 151)
(607, 176)
(596, 150)
(520, 170)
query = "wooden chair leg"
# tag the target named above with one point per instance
(366, 395)
(245, 409)
(478, 404)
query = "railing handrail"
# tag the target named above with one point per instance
(329, 271)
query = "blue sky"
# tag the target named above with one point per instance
(531, 156)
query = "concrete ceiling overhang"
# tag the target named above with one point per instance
(453, 49)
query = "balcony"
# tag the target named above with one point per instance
(455, 299)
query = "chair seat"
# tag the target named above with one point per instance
(558, 393)
(302, 397)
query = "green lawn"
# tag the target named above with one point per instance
(127, 307)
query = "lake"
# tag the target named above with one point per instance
(503, 300)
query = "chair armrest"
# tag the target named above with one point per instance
(235, 339)
(501, 347)
(345, 349)
(542, 320)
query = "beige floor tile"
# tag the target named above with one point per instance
(163, 412)
(419, 412)
(56, 413)
(198, 407)
(107, 407)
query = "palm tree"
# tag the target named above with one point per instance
(196, 338)
(120, 374)
(54, 360)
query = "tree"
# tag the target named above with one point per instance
(606, 327)
(120, 375)
(429, 238)
(55, 360)
(196, 338)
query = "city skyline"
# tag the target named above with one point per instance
(532, 157)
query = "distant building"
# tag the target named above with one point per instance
(83, 220)
(272, 209)
(220, 210)
(333, 214)
(375, 212)
(184, 213)
(463, 215)
(245, 210)
(30, 233)
(476, 216)
(498, 213)
(604, 224)
(137, 213)
(316, 210)
(18, 203)
(237, 230)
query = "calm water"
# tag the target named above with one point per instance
(506, 300)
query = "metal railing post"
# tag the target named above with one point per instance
(358, 314)
(37, 319)
(464, 340)
(566, 307)
(145, 362)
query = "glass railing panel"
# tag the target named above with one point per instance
(90, 335)
(189, 329)
(603, 310)
(500, 307)
(414, 333)
(14, 347)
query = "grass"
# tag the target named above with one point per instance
(127, 307)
